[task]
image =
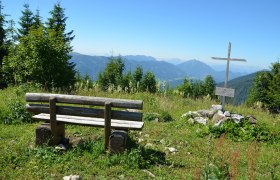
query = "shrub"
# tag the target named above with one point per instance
(162, 117)
(244, 131)
(151, 117)
(17, 113)
(165, 117)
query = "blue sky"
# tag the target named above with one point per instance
(184, 29)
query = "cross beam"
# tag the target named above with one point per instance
(228, 59)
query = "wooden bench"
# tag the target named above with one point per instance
(61, 109)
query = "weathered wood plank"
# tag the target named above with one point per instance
(107, 128)
(86, 112)
(228, 92)
(84, 100)
(89, 121)
(58, 130)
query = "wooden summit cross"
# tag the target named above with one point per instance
(226, 91)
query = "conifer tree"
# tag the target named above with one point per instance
(37, 19)
(112, 75)
(149, 83)
(274, 88)
(137, 77)
(259, 90)
(57, 22)
(3, 46)
(209, 86)
(26, 21)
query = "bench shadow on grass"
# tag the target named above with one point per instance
(136, 155)
(150, 156)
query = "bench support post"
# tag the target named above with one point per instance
(58, 129)
(107, 126)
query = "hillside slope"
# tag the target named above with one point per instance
(242, 86)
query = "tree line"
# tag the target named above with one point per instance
(37, 51)
(265, 91)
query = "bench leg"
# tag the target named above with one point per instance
(58, 133)
(107, 126)
(58, 129)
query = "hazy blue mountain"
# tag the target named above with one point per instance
(90, 65)
(239, 68)
(139, 58)
(93, 65)
(174, 61)
(199, 70)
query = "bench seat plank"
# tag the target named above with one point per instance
(89, 121)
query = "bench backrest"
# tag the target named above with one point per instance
(71, 105)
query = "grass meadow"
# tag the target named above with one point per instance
(200, 155)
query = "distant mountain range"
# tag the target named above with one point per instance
(174, 73)
(164, 71)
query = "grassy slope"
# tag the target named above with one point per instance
(19, 159)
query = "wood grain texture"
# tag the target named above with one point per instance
(107, 127)
(84, 100)
(84, 111)
(89, 121)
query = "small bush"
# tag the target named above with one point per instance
(165, 117)
(244, 131)
(162, 117)
(17, 113)
(151, 117)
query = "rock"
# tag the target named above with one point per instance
(72, 177)
(191, 120)
(206, 113)
(75, 141)
(188, 114)
(149, 145)
(251, 119)
(201, 120)
(220, 113)
(172, 149)
(227, 114)
(216, 118)
(221, 122)
(237, 118)
(162, 141)
(43, 134)
(146, 135)
(149, 173)
(118, 141)
(216, 108)
(61, 147)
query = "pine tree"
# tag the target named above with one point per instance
(113, 74)
(137, 77)
(186, 88)
(57, 22)
(260, 88)
(149, 83)
(37, 20)
(209, 86)
(274, 88)
(26, 21)
(42, 58)
(3, 46)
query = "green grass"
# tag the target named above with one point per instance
(20, 159)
